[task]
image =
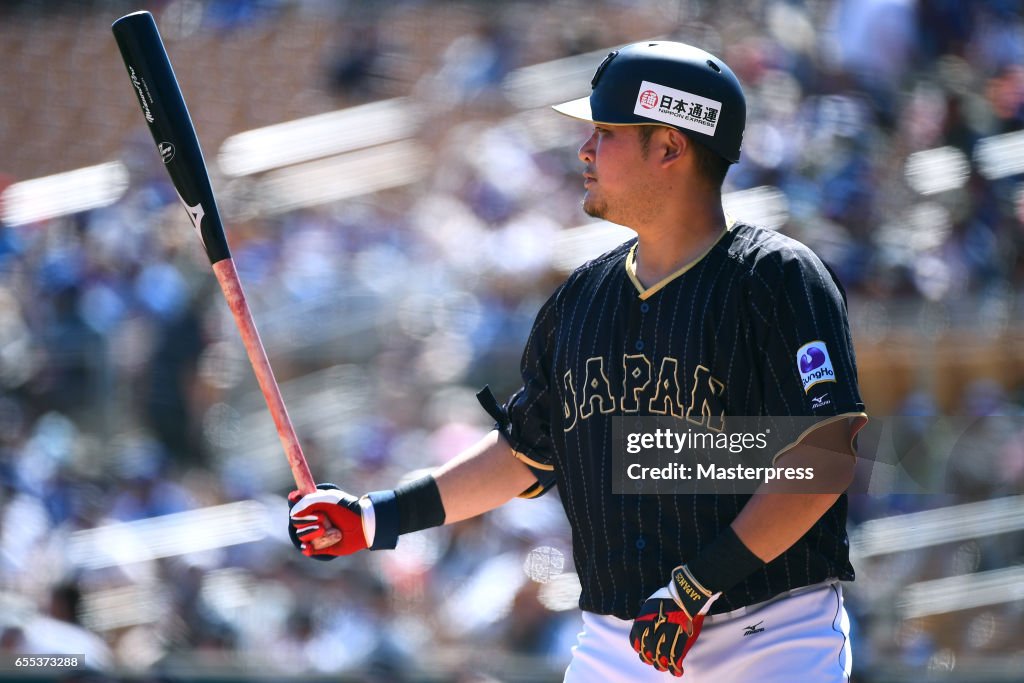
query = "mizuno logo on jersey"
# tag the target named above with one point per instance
(820, 402)
(814, 364)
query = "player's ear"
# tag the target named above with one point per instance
(671, 146)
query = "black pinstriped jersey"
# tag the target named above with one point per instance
(756, 326)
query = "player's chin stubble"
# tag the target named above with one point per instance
(594, 207)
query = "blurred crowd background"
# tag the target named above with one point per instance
(395, 239)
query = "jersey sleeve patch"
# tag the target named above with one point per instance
(814, 364)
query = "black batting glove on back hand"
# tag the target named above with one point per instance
(670, 621)
(307, 514)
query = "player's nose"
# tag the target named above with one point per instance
(586, 152)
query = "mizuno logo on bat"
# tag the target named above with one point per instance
(195, 214)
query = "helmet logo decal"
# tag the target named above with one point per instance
(677, 107)
(602, 67)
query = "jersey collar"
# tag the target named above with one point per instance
(661, 284)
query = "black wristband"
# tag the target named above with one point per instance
(419, 505)
(724, 563)
(411, 507)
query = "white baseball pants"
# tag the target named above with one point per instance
(803, 635)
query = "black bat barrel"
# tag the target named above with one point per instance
(163, 107)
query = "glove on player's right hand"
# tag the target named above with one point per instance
(308, 513)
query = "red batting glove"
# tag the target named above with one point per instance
(670, 621)
(308, 514)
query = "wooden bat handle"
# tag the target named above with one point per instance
(227, 276)
(231, 286)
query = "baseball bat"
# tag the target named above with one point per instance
(163, 107)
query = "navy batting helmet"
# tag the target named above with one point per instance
(673, 84)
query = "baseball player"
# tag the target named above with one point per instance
(699, 318)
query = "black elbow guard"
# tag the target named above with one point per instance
(545, 477)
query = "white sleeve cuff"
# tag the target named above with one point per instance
(369, 520)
